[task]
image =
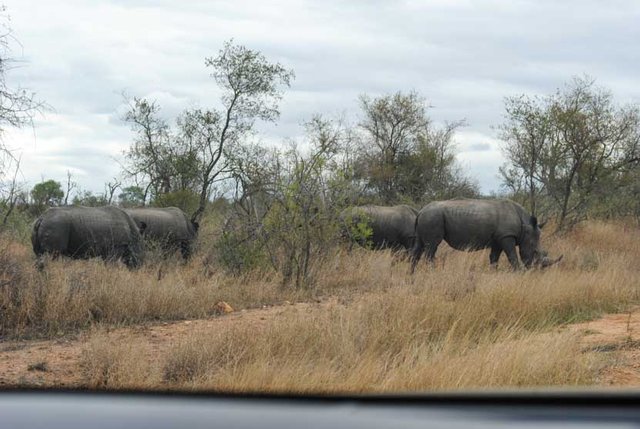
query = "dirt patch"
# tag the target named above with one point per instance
(56, 359)
(56, 363)
(618, 335)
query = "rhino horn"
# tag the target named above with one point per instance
(547, 262)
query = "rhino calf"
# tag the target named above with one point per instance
(391, 227)
(168, 227)
(468, 224)
(87, 232)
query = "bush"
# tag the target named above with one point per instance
(18, 226)
(185, 200)
(237, 253)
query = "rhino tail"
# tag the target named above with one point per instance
(416, 248)
(35, 240)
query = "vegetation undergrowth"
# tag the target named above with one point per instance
(458, 325)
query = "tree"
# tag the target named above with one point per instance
(17, 105)
(17, 109)
(89, 199)
(404, 157)
(8, 204)
(71, 185)
(286, 209)
(302, 222)
(572, 147)
(250, 91)
(191, 156)
(131, 196)
(526, 131)
(186, 200)
(429, 171)
(150, 154)
(254, 172)
(110, 189)
(593, 140)
(48, 193)
(625, 201)
(392, 124)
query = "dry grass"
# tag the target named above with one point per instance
(341, 351)
(70, 295)
(460, 325)
(108, 363)
(417, 366)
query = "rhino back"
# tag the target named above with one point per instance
(469, 223)
(51, 232)
(393, 224)
(102, 228)
(86, 230)
(168, 223)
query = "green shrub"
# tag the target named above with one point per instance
(237, 254)
(18, 226)
(186, 200)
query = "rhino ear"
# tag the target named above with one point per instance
(196, 225)
(142, 227)
(534, 221)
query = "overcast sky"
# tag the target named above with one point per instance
(464, 56)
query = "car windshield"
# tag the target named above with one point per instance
(319, 197)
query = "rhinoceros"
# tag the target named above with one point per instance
(471, 224)
(168, 227)
(86, 232)
(391, 227)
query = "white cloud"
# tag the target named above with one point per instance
(480, 155)
(463, 56)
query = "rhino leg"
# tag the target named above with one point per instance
(409, 243)
(432, 248)
(416, 253)
(185, 250)
(131, 261)
(39, 263)
(508, 246)
(130, 258)
(496, 251)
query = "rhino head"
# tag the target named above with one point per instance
(529, 245)
(531, 252)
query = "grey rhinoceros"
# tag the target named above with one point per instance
(391, 227)
(168, 227)
(470, 224)
(87, 232)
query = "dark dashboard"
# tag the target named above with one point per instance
(73, 409)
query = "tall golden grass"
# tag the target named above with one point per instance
(328, 354)
(70, 295)
(458, 325)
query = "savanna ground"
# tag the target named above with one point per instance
(366, 325)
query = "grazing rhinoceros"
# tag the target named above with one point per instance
(391, 227)
(468, 224)
(86, 232)
(168, 227)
